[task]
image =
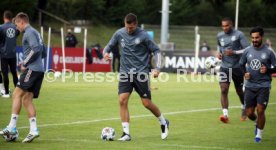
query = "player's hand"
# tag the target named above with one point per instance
(228, 52)
(247, 76)
(107, 56)
(23, 68)
(155, 73)
(263, 69)
(219, 56)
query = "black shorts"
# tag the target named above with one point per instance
(226, 74)
(140, 82)
(31, 81)
(254, 96)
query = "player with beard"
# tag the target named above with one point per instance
(257, 63)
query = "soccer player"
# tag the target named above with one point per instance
(30, 81)
(257, 63)
(134, 71)
(231, 43)
(8, 33)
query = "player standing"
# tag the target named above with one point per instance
(230, 43)
(8, 51)
(30, 80)
(257, 63)
(134, 70)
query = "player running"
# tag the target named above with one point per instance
(230, 45)
(257, 63)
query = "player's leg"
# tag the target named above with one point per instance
(5, 72)
(224, 88)
(156, 112)
(141, 85)
(12, 64)
(125, 89)
(35, 83)
(239, 81)
(224, 83)
(1, 79)
(16, 107)
(262, 102)
(29, 106)
(251, 102)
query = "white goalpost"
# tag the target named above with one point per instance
(48, 49)
(63, 51)
(84, 50)
(197, 43)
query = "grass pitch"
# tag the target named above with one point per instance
(72, 112)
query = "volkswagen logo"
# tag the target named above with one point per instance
(255, 64)
(10, 32)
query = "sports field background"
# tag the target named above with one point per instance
(72, 114)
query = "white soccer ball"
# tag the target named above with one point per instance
(57, 74)
(211, 62)
(108, 134)
(11, 138)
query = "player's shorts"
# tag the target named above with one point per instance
(140, 82)
(31, 81)
(227, 74)
(254, 96)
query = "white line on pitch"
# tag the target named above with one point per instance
(138, 116)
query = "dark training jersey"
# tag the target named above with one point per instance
(135, 50)
(8, 34)
(251, 61)
(32, 48)
(234, 40)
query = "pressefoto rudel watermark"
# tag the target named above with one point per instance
(182, 75)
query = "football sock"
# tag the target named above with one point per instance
(12, 124)
(33, 126)
(242, 106)
(225, 112)
(259, 133)
(162, 120)
(125, 126)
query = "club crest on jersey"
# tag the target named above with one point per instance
(137, 41)
(221, 41)
(123, 43)
(250, 56)
(233, 38)
(255, 64)
(263, 56)
(10, 32)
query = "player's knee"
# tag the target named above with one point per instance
(123, 101)
(146, 103)
(224, 90)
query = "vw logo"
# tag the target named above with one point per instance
(255, 64)
(10, 32)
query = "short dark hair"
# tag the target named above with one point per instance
(22, 16)
(227, 19)
(8, 14)
(130, 18)
(257, 29)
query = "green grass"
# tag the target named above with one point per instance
(72, 114)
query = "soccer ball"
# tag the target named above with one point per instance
(211, 62)
(11, 138)
(57, 74)
(108, 134)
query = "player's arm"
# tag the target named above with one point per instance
(244, 44)
(243, 62)
(111, 45)
(272, 68)
(157, 55)
(35, 48)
